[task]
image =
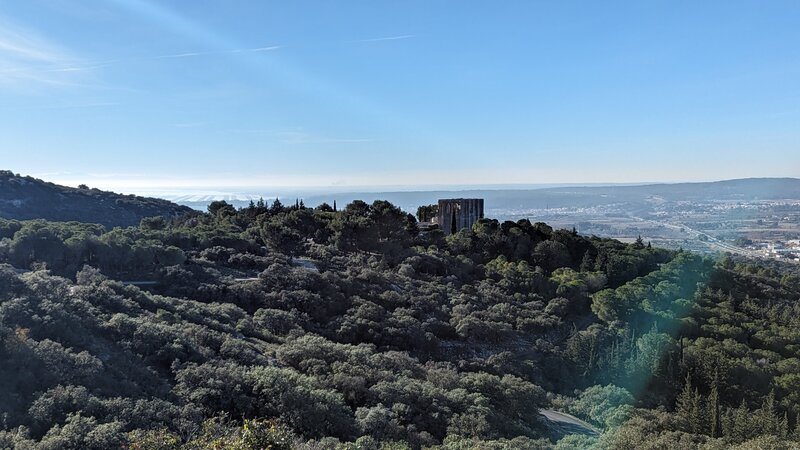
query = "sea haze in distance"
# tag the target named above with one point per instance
(406, 196)
(509, 201)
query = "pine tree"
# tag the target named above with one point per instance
(277, 206)
(796, 431)
(712, 408)
(727, 424)
(600, 262)
(689, 407)
(783, 426)
(587, 263)
(766, 418)
(741, 423)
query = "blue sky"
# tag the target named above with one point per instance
(127, 94)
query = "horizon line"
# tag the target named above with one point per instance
(378, 189)
(357, 188)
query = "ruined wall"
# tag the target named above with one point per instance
(458, 213)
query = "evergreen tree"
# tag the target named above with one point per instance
(600, 262)
(796, 431)
(712, 408)
(727, 424)
(740, 423)
(783, 426)
(766, 418)
(324, 207)
(587, 263)
(277, 206)
(689, 408)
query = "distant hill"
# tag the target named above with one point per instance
(24, 197)
(751, 189)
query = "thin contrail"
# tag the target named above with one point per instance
(90, 65)
(388, 38)
(220, 52)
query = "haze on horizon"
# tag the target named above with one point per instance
(136, 94)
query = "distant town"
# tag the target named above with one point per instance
(764, 229)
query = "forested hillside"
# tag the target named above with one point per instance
(293, 327)
(30, 198)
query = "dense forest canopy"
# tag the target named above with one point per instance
(277, 326)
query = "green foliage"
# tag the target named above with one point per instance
(291, 327)
(605, 406)
(427, 213)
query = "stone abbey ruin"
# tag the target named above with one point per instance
(457, 213)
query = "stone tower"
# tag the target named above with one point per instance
(458, 213)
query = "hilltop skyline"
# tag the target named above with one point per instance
(131, 94)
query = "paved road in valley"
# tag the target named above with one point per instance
(570, 424)
(711, 241)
